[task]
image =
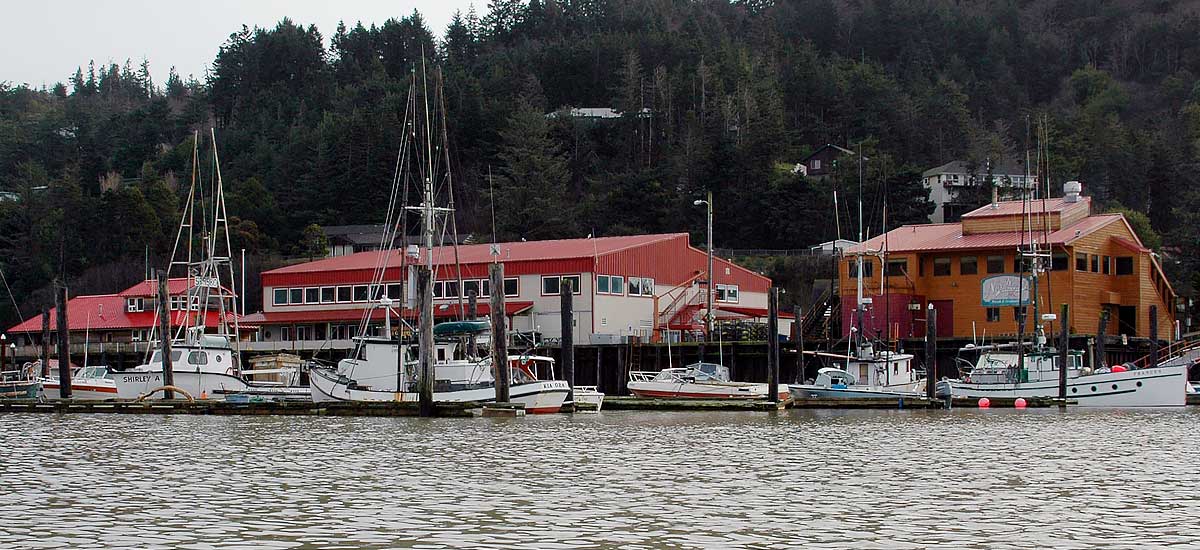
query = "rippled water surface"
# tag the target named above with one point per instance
(948, 479)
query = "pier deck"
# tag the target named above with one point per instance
(181, 406)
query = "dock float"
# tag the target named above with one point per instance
(642, 404)
(205, 407)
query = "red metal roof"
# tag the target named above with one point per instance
(1017, 208)
(105, 312)
(948, 236)
(1130, 244)
(356, 314)
(668, 258)
(561, 249)
(149, 287)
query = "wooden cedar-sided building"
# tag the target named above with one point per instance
(964, 270)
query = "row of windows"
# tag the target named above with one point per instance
(347, 294)
(727, 293)
(615, 285)
(552, 284)
(969, 265)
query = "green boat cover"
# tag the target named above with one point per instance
(458, 328)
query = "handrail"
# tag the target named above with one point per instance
(1173, 350)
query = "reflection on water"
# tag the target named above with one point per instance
(960, 479)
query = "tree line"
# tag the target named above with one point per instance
(712, 95)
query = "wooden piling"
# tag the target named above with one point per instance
(1063, 355)
(64, 341)
(799, 324)
(499, 334)
(568, 339)
(1101, 353)
(931, 370)
(46, 343)
(1153, 336)
(425, 339)
(164, 334)
(773, 344)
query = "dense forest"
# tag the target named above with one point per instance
(713, 95)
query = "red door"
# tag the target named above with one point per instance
(945, 317)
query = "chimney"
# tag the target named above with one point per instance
(995, 197)
(1071, 191)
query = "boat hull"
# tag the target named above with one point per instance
(1156, 387)
(539, 397)
(803, 391)
(201, 385)
(588, 399)
(80, 390)
(700, 390)
(20, 390)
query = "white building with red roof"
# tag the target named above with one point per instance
(641, 286)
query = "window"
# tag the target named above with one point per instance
(617, 284)
(312, 295)
(573, 280)
(1080, 261)
(550, 285)
(328, 294)
(816, 164)
(968, 265)
(285, 333)
(485, 288)
(1095, 263)
(394, 291)
(1107, 265)
(360, 293)
(1125, 265)
(343, 295)
(295, 296)
(727, 293)
(197, 358)
(993, 314)
(1018, 313)
(512, 287)
(602, 284)
(302, 332)
(437, 289)
(868, 269)
(995, 264)
(450, 289)
(1058, 261)
(941, 267)
(135, 304)
(470, 286)
(895, 268)
(647, 286)
(281, 297)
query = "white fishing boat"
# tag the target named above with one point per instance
(205, 360)
(1000, 373)
(377, 374)
(696, 381)
(869, 374)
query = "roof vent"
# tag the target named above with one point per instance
(1071, 191)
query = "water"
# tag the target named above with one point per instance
(960, 479)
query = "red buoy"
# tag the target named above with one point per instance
(1019, 403)
(984, 402)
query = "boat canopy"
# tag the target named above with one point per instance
(461, 328)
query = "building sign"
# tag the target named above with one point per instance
(1006, 290)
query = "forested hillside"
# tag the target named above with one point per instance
(733, 95)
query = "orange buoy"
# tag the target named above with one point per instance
(984, 402)
(1019, 403)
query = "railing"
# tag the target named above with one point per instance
(1169, 352)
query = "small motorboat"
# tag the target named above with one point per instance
(588, 398)
(696, 381)
(87, 382)
(20, 383)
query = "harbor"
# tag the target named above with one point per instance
(691, 480)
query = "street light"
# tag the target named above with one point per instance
(708, 313)
(3, 348)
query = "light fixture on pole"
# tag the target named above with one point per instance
(708, 285)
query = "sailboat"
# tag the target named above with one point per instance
(871, 370)
(204, 363)
(384, 369)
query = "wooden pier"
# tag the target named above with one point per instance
(182, 406)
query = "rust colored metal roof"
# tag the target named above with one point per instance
(948, 236)
(1017, 208)
(106, 312)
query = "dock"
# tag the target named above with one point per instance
(206, 407)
